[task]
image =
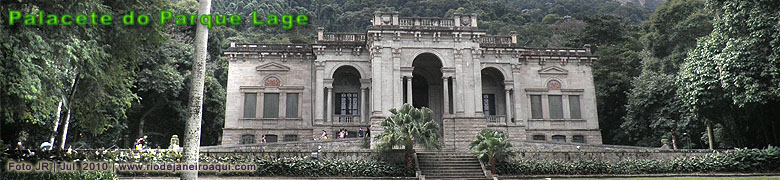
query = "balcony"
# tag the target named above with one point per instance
(346, 118)
(496, 119)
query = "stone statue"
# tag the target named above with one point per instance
(174, 142)
(665, 143)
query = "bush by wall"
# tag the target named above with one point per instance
(61, 176)
(737, 160)
(266, 166)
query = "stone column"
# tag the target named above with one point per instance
(362, 105)
(329, 105)
(446, 83)
(319, 94)
(508, 105)
(409, 89)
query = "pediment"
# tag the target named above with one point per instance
(553, 70)
(273, 66)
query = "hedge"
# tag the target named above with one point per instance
(733, 161)
(266, 166)
(69, 176)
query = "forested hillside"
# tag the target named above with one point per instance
(109, 85)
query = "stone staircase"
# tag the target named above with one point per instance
(450, 165)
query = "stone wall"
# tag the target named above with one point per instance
(534, 150)
(329, 145)
(395, 156)
(606, 155)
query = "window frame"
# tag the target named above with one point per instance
(245, 103)
(557, 138)
(244, 139)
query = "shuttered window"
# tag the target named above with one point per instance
(536, 107)
(271, 105)
(292, 105)
(250, 104)
(556, 106)
(574, 107)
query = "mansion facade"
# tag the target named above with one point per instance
(470, 80)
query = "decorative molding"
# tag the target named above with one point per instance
(553, 70)
(272, 66)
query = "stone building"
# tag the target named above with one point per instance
(471, 81)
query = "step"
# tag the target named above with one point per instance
(455, 177)
(451, 162)
(461, 173)
(427, 167)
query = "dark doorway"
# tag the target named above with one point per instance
(419, 91)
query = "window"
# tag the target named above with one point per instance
(290, 137)
(578, 139)
(574, 107)
(556, 106)
(269, 138)
(536, 107)
(489, 104)
(292, 105)
(559, 138)
(347, 104)
(247, 139)
(271, 105)
(250, 104)
(539, 138)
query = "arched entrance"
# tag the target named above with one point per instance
(427, 84)
(346, 91)
(494, 97)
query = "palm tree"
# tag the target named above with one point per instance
(493, 144)
(406, 127)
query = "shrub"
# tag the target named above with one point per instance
(58, 176)
(266, 166)
(737, 160)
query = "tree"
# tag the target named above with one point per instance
(494, 145)
(732, 77)
(407, 127)
(192, 129)
(653, 110)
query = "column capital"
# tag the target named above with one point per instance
(328, 83)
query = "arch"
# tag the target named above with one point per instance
(493, 71)
(409, 60)
(499, 69)
(330, 72)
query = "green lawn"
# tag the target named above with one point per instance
(648, 178)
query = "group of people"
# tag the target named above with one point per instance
(343, 133)
(140, 143)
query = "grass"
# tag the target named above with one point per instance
(644, 178)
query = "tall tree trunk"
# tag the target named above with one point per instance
(69, 106)
(64, 136)
(56, 121)
(709, 133)
(142, 120)
(192, 127)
